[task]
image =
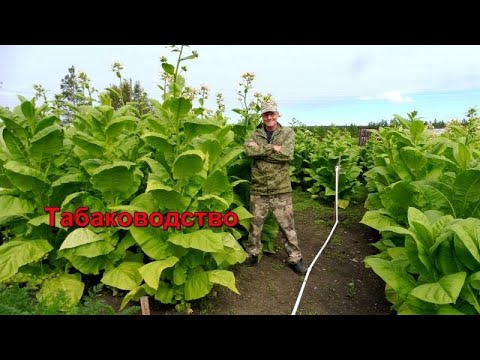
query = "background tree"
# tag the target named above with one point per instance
(73, 89)
(127, 92)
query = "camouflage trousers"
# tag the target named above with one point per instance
(282, 209)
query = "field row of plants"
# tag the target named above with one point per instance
(174, 155)
(424, 199)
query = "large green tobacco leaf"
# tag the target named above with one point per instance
(467, 233)
(180, 274)
(198, 285)
(192, 187)
(24, 177)
(440, 161)
(439, 224)
(397, 198)
(4, 182)
(47, 142)
(92, 266)
(159, 142)
(28, 111)
(416, 250)
(224, 278)
(106, 113)
(244, 216)
(69, 178)
(15, 147)
(399, 256)
(420, 224)
(159, 125)
(180, 106)
(134, 294)
(445, 291)
(19, 252)
(158, 171)
(125, 276)
(446, 259)
(146, 202)
(215, 184)
(462, 155)
(197, 127)
(467, 193)
(471, 296)
(70, 284)
(90, 250)
(228, 157)
(188, 163)
(463, 198)
(129, 144)
(118, 179)
(151, 272)
(416, 130)
(12, 207)
(205, 240)
(378, 220)
(165, 294)
(88, 143)
(45, 219)
(400, 168)
(414, 159)
(438, 194)
(153, 241)
(415, 306)
(124, 244)
(393, 275)
(79, 199)
(90, 165)
(232, 253)
(474, 280)
(118, 124)
(212, 203)
(46, 122)
(226, 137)
(78, 237)
(213, 149)
(448, 310)
(167, 198)
(14, 124)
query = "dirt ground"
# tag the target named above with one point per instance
(339, 283)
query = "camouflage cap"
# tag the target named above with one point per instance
(268, 106)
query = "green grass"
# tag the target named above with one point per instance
(278, 266)
(271, 287)
(15, 300)
(336, 239)
(302, 201)
(354, 211)
(351, 289)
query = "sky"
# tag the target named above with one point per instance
(314, 84)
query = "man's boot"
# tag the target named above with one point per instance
(299, 268)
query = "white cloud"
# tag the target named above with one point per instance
(395, 96)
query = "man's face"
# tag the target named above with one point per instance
(270, 119)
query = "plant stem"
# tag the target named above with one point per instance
(176, 71)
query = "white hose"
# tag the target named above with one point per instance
(337, 171)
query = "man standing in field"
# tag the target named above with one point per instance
(271, 148)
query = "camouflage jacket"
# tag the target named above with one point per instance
(270, 169)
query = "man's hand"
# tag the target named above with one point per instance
(252, 144)
(277, 148)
